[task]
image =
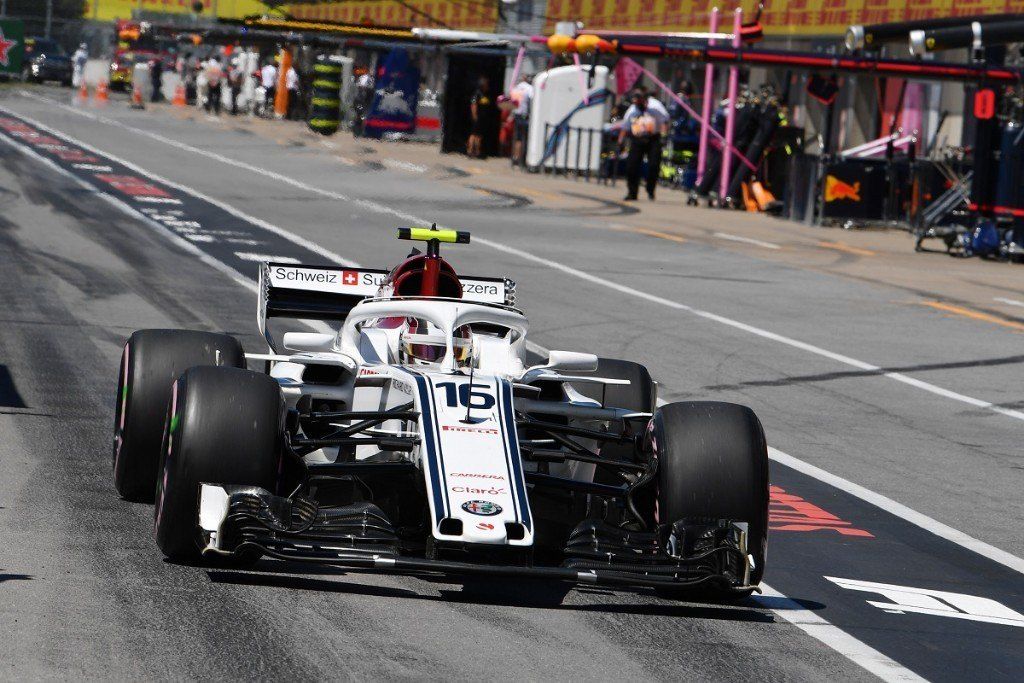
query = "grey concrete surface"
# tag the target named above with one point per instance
(922, 450)
(84, 594)
(77, 279)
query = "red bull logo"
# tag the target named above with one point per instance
(837, 189)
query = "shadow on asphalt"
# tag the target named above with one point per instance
(497, 592)
(9, 396)
(4, 578)
(619, 208)
(846, 374)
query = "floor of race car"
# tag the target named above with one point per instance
(892, 491)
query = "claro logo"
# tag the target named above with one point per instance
(494, 490)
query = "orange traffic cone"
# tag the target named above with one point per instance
(748, 199)
(101, 93)
(137, 98)
(179, 96)
(762, 195)
(83, 93)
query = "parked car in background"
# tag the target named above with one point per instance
(46, 60)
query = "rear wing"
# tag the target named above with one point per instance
(287, 290)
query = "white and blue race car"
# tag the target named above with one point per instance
(413, 435)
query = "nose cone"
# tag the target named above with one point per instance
(484, 531)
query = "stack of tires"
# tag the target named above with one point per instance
(325, 105)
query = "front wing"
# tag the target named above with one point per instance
(692, 553)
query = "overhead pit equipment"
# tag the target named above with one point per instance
(874, 36)
(975, 34)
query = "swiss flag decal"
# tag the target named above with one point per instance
(349, 277)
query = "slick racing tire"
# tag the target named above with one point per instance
(150, 362)
(223, 426)
(713, 463)
(638, 395)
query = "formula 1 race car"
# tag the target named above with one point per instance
(416, 438)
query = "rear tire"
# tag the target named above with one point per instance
(638, 395)
(713, 462)
(224, 426)
(151, 361)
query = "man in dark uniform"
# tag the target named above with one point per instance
(483, 112)
(644, 125)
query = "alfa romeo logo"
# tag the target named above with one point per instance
(484, 508)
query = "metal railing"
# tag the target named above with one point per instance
(571, 152)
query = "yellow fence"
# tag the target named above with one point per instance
(478, 15)
(107, 10)
(780, 17)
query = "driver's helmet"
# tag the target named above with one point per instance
(423, 343)
(406, 279)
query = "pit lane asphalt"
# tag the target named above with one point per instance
(98, 598)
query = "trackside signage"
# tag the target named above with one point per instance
(366, 282)
(12, 46)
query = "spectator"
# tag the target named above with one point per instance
(202, 85)
(645, 125)
(214, 74)
(268, 79)
(156, 74)
(78, 61)
(522, 95)
(291, 82)
(683, 126)
(482, 111)
(235, 75)
(653, 103)
(363, 98)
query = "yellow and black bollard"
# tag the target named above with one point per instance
(325, 106)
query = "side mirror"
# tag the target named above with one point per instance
(308, 341)
(571, 361)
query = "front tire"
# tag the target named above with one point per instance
(713, 463)
(224, 426)
(151, 361)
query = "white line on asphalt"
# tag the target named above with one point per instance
(746, 240)
(887, 504)
(892, 507)
(812, 624)
(121, 205)
(834, 637)
(404, 165)
(290, 236)
(601, 281)
(804, 346)
(902, 511)
(1012, 302)
(162, 230)
(260, 258)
